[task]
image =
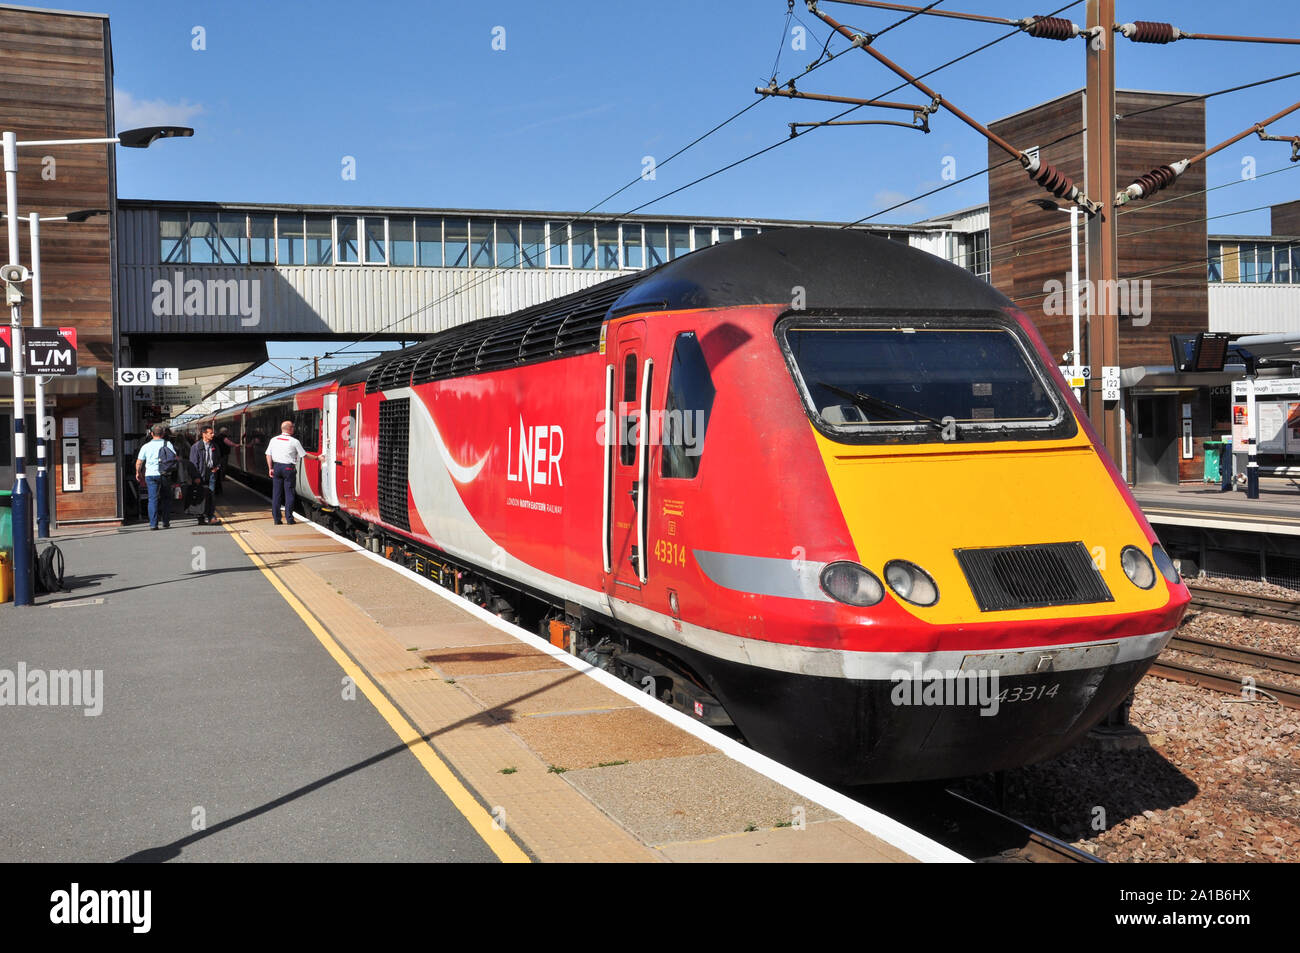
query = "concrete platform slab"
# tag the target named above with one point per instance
(689, 799)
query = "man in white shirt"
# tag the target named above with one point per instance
(282, 455)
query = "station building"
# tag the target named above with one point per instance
(203, 286)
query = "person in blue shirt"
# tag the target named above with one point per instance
(149, 466)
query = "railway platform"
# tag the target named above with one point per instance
(1276, 511)
(246, 691)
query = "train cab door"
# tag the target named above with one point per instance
(329, 438)
(347, 446)
(627, 462)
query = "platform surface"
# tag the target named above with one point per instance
(270, 693)
(1276, 510)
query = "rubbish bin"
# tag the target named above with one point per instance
(1212, 450)
(6, 548)
(6, 525)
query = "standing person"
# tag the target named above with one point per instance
(224, 446)
(155, 459)
(206, 459)
(282, 455)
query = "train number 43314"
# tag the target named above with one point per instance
(666, 551)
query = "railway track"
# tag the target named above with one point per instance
(1236, 603)
(1258, 659)
(967, 827)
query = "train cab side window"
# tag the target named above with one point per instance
(687, 409)
(306, 427)
(627, 446)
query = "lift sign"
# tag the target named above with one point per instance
(50, 351)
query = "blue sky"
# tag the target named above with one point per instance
(582, 92)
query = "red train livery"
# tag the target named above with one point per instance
(817, 485)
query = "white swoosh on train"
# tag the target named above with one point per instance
(459, 472)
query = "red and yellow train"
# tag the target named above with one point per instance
(819, 485)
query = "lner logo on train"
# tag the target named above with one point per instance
(537, 459)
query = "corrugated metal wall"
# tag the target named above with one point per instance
(319, 301)
(1241, 308)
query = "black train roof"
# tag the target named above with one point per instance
(836, 268)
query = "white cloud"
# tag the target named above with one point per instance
(133, 113)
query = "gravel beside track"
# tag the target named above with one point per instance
(1265, 634)
(1219, 782)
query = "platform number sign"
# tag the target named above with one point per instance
(50, 351)
(6, 362)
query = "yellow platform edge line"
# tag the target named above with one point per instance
(479, 819)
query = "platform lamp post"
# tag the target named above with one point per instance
(44, 497)
(24, 588)
(1073, 212)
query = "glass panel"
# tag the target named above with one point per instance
(171, 237)
(347, 240)
(584, 245)
(887, 378)
(261, 235)
(726, 233)
(751, 232)
(480, 238)
(982, 255)
(428, 240)
(703, 237)
(1295, 264)
(401, 242)
(690, 399)
(559, 243)
(607, 247)
(1216, 266)
(534, 239)
(203, 239)
(376, 250)
(679, 240)
(1281, 264)
(289, 231)
(633, 250)
(456, 242)
(656, 245)
(320, 242)
(232, 238)
(1265, 262)
(507, 244)
(626, 445)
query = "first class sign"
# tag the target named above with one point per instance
(48, 352)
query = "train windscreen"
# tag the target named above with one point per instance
(925, 382)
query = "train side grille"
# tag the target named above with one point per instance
(1030, 577)
(394, 438)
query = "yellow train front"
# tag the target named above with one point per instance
(914, 559)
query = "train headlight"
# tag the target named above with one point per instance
(852, 584)
(911, 582)
(1165, 564)
(1137, 567)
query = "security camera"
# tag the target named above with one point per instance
(13, 273)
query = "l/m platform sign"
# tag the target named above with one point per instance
(48, 352)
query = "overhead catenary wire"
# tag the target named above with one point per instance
(1185, 265)
(1127, 210)
(753, 155)
(1078, 132)
(1044, 173)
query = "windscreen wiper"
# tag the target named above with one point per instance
(871, 404)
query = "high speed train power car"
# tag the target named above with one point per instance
(818, 485)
